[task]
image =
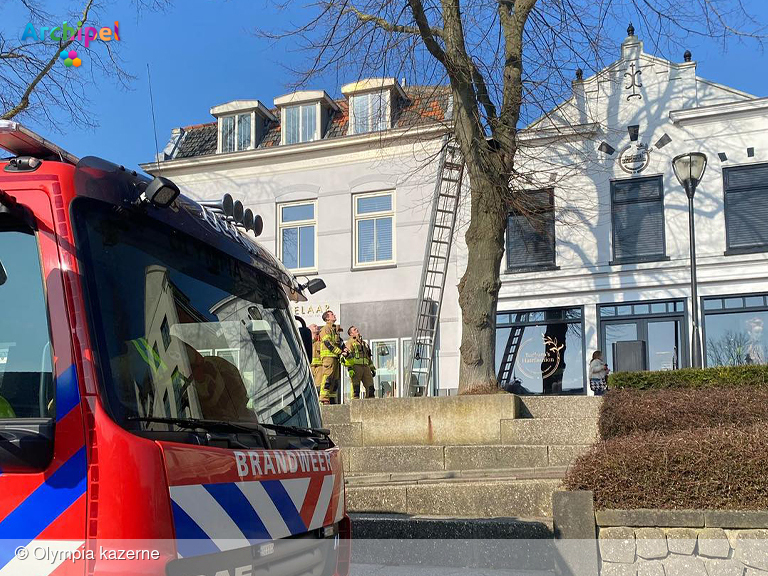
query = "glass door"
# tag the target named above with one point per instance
(385, 359)
(617, 332)
(664, 345)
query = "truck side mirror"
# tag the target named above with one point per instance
(26, 444)
(315, 285)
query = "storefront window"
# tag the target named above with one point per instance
(385, 359)
(656, 327)
(541, 352)
(735, 333)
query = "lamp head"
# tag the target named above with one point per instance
(689, 169)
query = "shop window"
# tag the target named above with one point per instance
(746, 208)
(385, 359)
(637, 209)
(541, 352)
(531, 234)
(374, 229)
(656, 328)
(297, 223)
(735, 330)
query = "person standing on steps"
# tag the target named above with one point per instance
(330, 352)
(598, 372)
(359, 364)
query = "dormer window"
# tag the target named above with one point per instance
(301, 123)
(304, 115)
(236, 132)
(370, 112)
(372, 104)
(242, 125)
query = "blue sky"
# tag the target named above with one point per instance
(204, 52)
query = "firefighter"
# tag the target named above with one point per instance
(317, 362)
(331, 350)
(359, 364)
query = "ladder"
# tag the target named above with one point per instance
(510, 354)
(445, 204)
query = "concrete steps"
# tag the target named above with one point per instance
(468, 498)
(549, 431)
(378, 459)
(501, 458)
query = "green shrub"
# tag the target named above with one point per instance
(725, 468)
(626, 412)
(753, 375)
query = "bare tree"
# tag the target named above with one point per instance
(33, 83)
(735, 349)
(507, 62)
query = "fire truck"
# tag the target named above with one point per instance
(157, 412)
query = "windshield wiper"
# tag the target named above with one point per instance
(204, 424)
(298, 430)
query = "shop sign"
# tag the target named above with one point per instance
(537, 361)
(635, 158)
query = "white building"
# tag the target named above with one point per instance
(609, 260)
(344, 189)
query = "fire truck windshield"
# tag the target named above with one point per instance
(186, 331)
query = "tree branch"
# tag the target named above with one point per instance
(23, 103)
(389, 26)
(417, 8)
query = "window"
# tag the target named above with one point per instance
(735, 330)
(370, 112)
(531, 237)
(300, 123)
(297, 227)
(637, 208)
(165, 331)
(746, 208)
(235, 132)
(26, 368)
(659, 324)
(541, 351)
(374, 225)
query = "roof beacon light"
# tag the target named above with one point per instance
(21, 141)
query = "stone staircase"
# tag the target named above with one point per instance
(508, 470)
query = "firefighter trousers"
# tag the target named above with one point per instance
(330, 374)
(358, 374)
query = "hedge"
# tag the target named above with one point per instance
(725, 468)
(626, 412)
(752, 375)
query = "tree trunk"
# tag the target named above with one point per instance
(479, 287)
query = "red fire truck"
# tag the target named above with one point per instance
(157, 414)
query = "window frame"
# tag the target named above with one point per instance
(284, 123)
(725, 311)
(236, 117)
(538, 266)
(387, 97)
(356, 265)
(639, 259)
(729, 251)
(296, 224)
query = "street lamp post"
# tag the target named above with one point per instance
(689, 169)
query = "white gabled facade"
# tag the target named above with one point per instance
(621, 267)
